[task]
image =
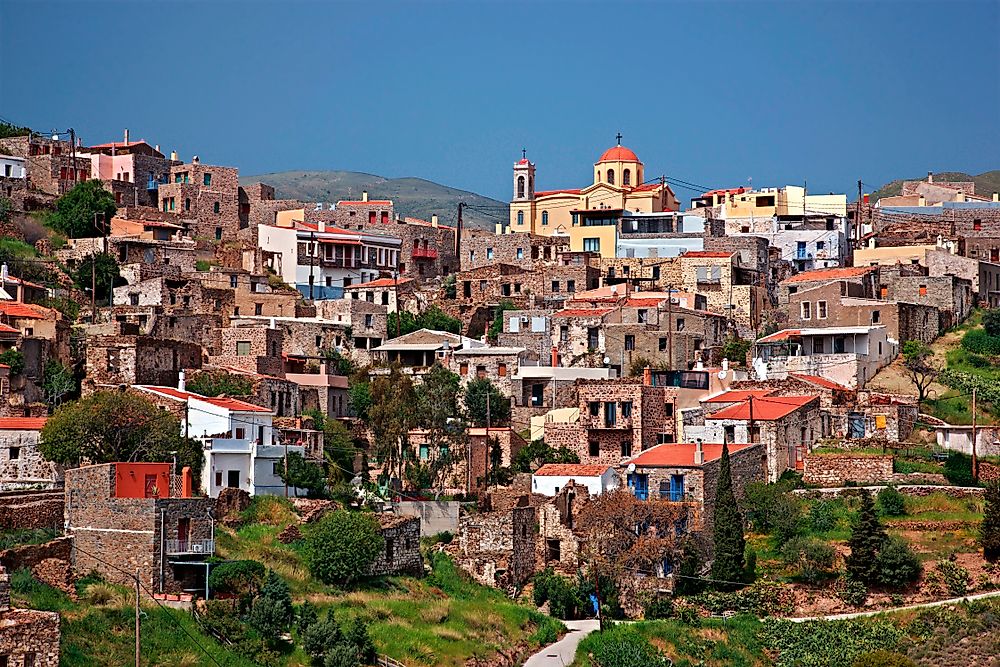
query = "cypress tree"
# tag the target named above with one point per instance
(867, 538)
(730, 544)
(989, 530)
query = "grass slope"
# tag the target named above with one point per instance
(986, 183)
(414, 197)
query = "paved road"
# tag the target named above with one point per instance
(859, 614)
(563, 651)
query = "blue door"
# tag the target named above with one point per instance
(856, 425)
(639, 485)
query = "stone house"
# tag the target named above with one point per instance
(131, 170)
(482, 248)
(860, 281)
(418, 350)
(114, 360)
(499, 365)
(984, 275)
(250, 346)
(689, 473)
(558, 544)
(874, 416)
(28, 637)
(469, 470)
(50, 165)
(21, 464)
(389, 292)
(400, 554)
(727, 286)
(207, 198)
(827, 305)
(578, 334)
(552, 477)
(528, 329)
(951, 295)
(618, 418)
(489, 284)
(45, 326)
(786, 427)
(498, 548)
(130, 514)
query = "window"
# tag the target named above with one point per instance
(664, 438)
(592, 245)
(502, 370)
(626, 408)
(611, 176)
(537, 394)
(570, 286)
(29, 659)
(545, 217)
(626, 448)
(370, 320)
(820, 245)
(218, 233)
(216, 208)
(627, 177)
(629, 342)
(233, 281)
(876, 317)
(594, 448)
(643, 315)
(489, 254)
(821, 310)
(520, 253)
(258, 309)
(481, 372)
(463, 368)
(277, 467)
(663, 345)
(923, 290)
(241, 433)
(817, 346)
(668, 409)
(594, 407)
(242, 348)
(880, 348)
(977, 224)
(520, 217)
(207, 179)
(15, 453)
(564, 333)
(520, 187)
(555, 286)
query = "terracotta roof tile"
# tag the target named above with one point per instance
(571, 470)
(582, 312)
(735, 396)
(708, 254)
(681, 454)
(17, 309)
(546, 193)
(839, 273)
(381, 282)
(22, 423)
(820, 381)
(769, 408)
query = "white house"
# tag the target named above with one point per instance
(11, 167)
(553, 477)
(241, 447)
(849, 356)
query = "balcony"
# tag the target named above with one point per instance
(424, 253)
(190, 547)
(600, 422)
(803, 255)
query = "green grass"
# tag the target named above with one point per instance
(21, 536)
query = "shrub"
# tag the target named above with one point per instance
(787, 519)
(763, 598)
(891, 501)
(853, 592)
(622, 646)
(238, 577)
(822, 516)
(14, 359)
(320, 637)
(989, 529)
(341, 655)
(564, 598)
(955, 577)
(958, 469)
(216, 383)
(883, 658)
(658, 608)
(357, 635)
(306, 616)
(896, 564)
(813, 557)
(979, 341)
(341, 546)
(271, 613)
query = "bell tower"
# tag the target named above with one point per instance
(524, 179)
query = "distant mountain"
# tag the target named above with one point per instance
(413, 197)
(986, 183)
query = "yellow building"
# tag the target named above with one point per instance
(790, 200)
(619, 185)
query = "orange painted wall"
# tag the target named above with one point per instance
(130, 479)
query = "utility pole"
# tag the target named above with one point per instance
(750, 424)
(72, 142)
(395, 294)
(597, 594)
(857, 216)
(312, 262)
(284, 441)
(93, 281)
(670, 327)
(137, 612)
(975, 462)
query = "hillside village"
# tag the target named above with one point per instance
(323, 432)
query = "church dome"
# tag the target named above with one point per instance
(619, 153)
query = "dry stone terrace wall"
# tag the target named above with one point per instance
(836, 469)
(31, 509)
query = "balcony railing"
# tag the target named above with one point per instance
(424, 253)
(600, 422)
(177, 547)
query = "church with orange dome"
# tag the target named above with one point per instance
(619, 185)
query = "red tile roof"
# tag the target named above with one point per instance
(22, 281)
(735, 191)
(680, 455)
(379, 202)
(22, 423)
(222, 402)
(735, 396)
(839, 273)
(17, 309)
(118, 144)
(784, 334)
(619, 153)
(636, 302)
(6, 329)
(820, 381)
(381, 282)
(707, 254)
(546, 193)
(769, 408)
(582, 312)
(571, 470)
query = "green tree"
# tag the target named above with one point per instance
(357, 634)
(867, 538)
(341, 547)
(58, 382)
(989, 529)
(217, 383)
(735, 349)
(271, 612)
(536, 453)
(891, 501)
(339, 450)
(730, 544)
(359, 398)
(390, 417)
(342, 365)
(238, 577)
(400, 324)
(438, 320)
(991, 321)
(12, 130)
(14, 359)
(496, 326)
(475, 403)
(437, 413)
(448, 286)
(75, 211)
(918, 360)
(109, 426)
(105, 277)
(896, 564)
(6, 208)
(303, 474)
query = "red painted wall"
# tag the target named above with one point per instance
(133, 479)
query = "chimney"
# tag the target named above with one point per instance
(555, 357)
(186, 482)
(921, 201)
(699, 453)
(700, 365)
(364, 195)
(725, 365)
(195, 160)
(996, 196)
(181, 382)
(321, 225)
(498, 229)
(930, 176)
(272, 324)
(647, 376)
(173, 155)
(434, 221)
(126, 135)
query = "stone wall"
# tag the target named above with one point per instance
(988, 472)
(27, 637)
(401, 551)
(497, 548)
(836, 469)
(31, 509)
(31, 555)
(22, 465)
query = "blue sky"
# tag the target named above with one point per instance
(709, 92)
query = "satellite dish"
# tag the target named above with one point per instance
(722, 375)
(631, 468)
(607, 360)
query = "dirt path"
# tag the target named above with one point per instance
(861, 614)
(894, 380)
(563, 652)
